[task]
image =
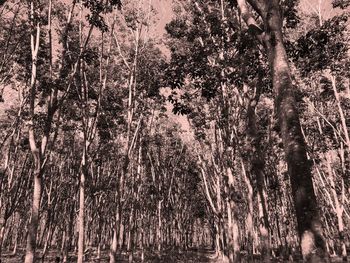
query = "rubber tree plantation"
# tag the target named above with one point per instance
(174, 131)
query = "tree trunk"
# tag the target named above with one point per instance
(308, 218)
(234, 253)
(48, 237)
(114, 245)
(341, 113)
(159, 226)
(257, 165)
(2, 231)
(264, 233)
(33, 224)
(81, 215)
(34, 220)
(249, 219)
(338, 205)
(216, 238)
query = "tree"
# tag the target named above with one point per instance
(307, 211)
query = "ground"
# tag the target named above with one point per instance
(200, 256)
(167, 257)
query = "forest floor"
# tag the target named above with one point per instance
(201, 256)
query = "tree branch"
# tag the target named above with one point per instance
(249, 19)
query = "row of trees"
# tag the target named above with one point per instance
(91, 159)
(269, 77)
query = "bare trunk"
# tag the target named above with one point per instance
(47, 240)
(33, 224)
(113, 252)
(338, 205)
(65, 247)
(234, 253)
(81, 216)
(121, 234)
(17, 223)
(341, 113)
(308, 218)
(159, 226)
(264, 233)
(257, 165)
(307, 213)
(2, 231)
(14, 250)
(218, 251)
(34, 220)
(249, 218)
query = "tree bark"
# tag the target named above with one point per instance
(81, 211)
(114, 244)
(2, 230)
(33, 223)
(338, 205)
(308, 219)
(34, 220)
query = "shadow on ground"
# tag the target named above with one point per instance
(168, 256)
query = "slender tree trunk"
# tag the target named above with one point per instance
(159, 226)
(34, 220)
(121, 234)
(2, 231)
(64, 246)
(14, 250)
(81, 214)
(338, 206)
(341, 113)
(264, 233)
(216, 238)
(233, 246)
(46, 244)
(17, 223)
(257, 165)
(249, 219)
(114, 245)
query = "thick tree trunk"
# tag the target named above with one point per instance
(308, 218)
